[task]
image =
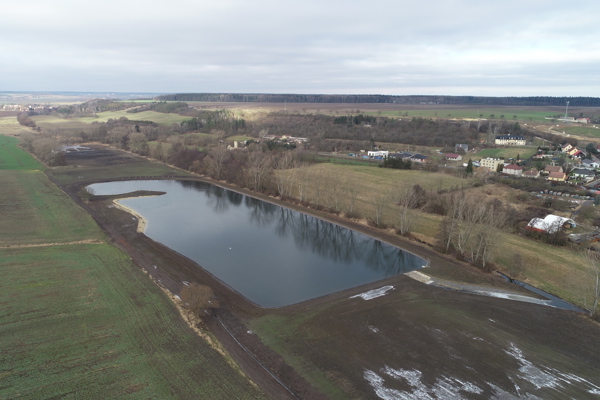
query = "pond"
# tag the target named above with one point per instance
(272, 255)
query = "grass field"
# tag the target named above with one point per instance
(589, 131)
(508, 152)
(14, 158)
(10, 126)
(80, 320)
(558, 270)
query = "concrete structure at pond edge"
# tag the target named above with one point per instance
(551, 223)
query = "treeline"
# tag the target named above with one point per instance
(343, 98)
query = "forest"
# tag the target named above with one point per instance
(345, 99)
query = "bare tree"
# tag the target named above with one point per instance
(591, 293)
(198, 298)
(216, 160)
(381, 201)
(407, 199)
(259, 165)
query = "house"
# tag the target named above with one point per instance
(550, 224)
(512, 169)
(583, 120)
(531, 173)
(491, 163)
(510, 140)
(589, 164)
(463, 147)
(575, 152)
(453, 157)
(584, 174)
(403, 155)
(553, 168)
(567, 147)
(420, 158)
(557, 177)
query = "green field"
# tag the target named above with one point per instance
(586, 131)
(83, 322)
(508, 152)
(80, 320)
(14, 158)
(470, 113)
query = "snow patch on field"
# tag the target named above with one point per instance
(544, 377)
(373, 329)
(371, 294)
(444, 387)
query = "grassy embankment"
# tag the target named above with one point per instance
(79, 320)
(558, 270)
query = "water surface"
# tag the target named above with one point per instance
(272, 255)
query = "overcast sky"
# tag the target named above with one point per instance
(445, 47)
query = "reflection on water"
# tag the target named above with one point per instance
(272, 255)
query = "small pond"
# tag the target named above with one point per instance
(272, 255)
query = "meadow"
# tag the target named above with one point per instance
(559, 270)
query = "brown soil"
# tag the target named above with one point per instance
(230, 322)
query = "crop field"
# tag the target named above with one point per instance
(508, 152)
(406, 344)
(35, 211)
(80, 321)
(159, 118)
(511, 114)
(103, 163)
(14, 158)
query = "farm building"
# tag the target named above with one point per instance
(551, 223)
(510, 140)
(378, 154)
(463, 147)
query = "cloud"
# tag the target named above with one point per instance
(394, 47)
